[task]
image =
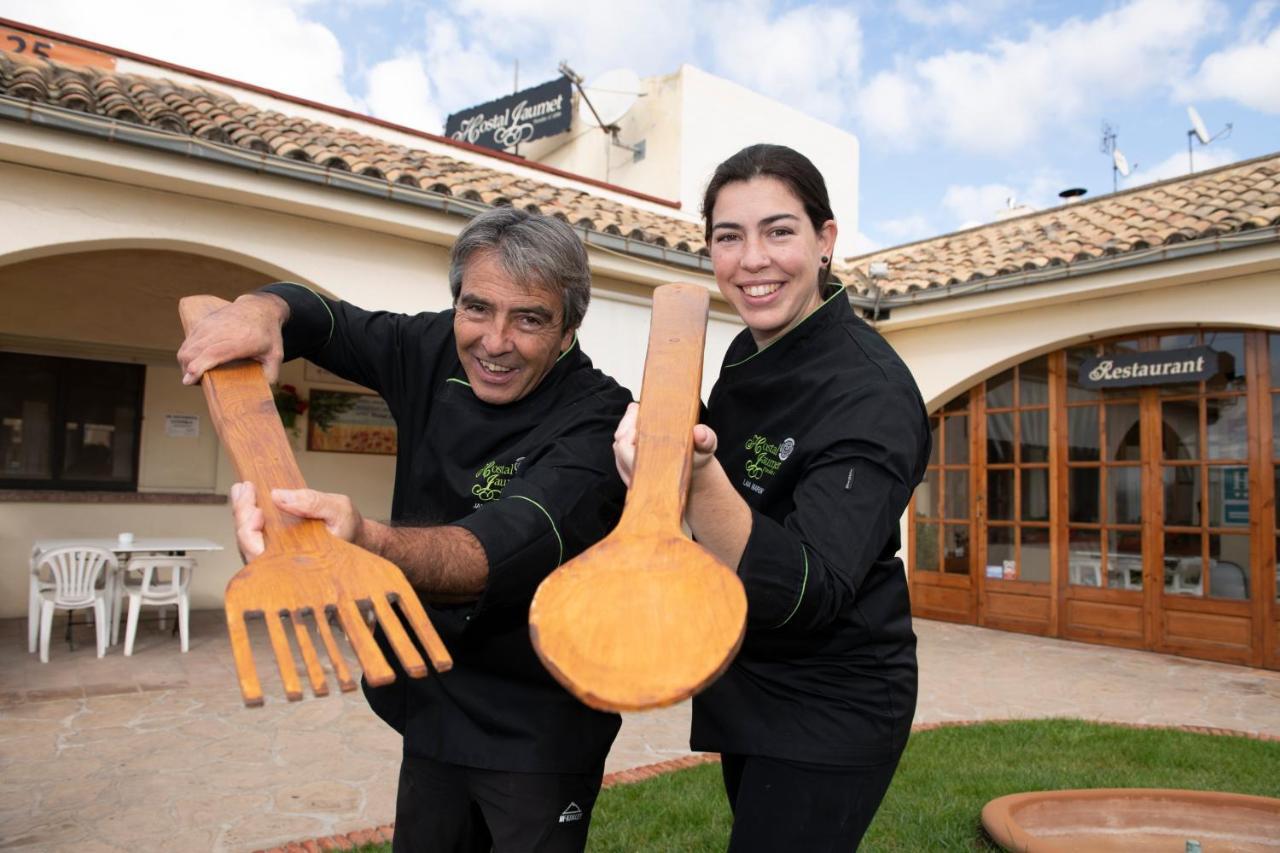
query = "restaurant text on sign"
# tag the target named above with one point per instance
(1118, 370)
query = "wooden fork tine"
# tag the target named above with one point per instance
(319, 686)
(413, 611)
(345, 682)
(241, 651)
(400, 642)
(284, 656)
(376, 669)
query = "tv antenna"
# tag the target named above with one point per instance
(609, 97)
(1120, 166)
(1199, 132)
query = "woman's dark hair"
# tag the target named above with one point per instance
(774, 161)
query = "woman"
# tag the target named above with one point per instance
(814, 438)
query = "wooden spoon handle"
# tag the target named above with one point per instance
(669, 403)
(244, 413)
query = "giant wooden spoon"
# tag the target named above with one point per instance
(304, 570)
(646, 617)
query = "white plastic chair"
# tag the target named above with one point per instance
(74, 572)
(37, 584)
(154, 589)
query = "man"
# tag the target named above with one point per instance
(504, 471)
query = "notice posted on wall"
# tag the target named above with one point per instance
(182, 426)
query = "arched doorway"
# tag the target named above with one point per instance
(1132, 504)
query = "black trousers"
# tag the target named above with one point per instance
(446, 808)
(782, 806)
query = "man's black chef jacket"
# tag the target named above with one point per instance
(825, 436)
(533, 480)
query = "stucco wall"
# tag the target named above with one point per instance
(93, 269)
(950, 357)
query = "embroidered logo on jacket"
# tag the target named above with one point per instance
(493, 479)
(768, 457)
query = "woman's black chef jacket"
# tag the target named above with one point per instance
(533, 480)
(825, 436)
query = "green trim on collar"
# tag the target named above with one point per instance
(560, 559)
(570, 349)
(803, 584)
(839, 291)
(459, 381)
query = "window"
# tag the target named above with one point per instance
(1017, 407)
(69, 423)
(942, 504)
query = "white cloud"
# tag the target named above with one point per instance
(973, 205)
(1248, 72)
(399, 91)
(906, 229)
(976, 204)
(806, 56)
(1006, 96)
(862, 244)
(653, 37)
(269, 43)
(967, 15)
(1175, 165)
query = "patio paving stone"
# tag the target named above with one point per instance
(156, 752)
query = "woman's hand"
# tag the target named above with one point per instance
(339, 514)
(624, 444)
(704, 446)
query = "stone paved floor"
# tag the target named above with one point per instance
(156, 752)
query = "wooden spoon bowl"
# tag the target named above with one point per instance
(646, 617)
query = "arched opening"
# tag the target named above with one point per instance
(1120, 491)
(87, 343)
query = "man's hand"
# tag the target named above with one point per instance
(339, 514)
(624, 444)
(247, 328)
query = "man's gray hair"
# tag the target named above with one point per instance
(534, 250)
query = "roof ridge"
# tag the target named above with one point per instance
(212, 115)
(339, 111)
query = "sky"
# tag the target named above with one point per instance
(960, 108)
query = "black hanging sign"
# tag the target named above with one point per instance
(1122, 370)
(527, 115)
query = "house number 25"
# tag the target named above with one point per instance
(21, 45)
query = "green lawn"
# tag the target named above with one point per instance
(945, 778)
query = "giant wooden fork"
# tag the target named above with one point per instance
(304, 568)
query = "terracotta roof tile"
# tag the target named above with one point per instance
(1234, 198)
(211, 115)
(1231, 199)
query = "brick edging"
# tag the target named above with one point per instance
(352, 840)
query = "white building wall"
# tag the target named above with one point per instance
(50, 214)
(690, 121)
(719, 117)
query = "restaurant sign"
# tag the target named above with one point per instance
(1122, 370)
(527, 115)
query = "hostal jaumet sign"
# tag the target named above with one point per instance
(1119, 370)
(527, 115)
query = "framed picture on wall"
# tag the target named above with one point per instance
(343, 422)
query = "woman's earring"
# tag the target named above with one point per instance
(825, 260)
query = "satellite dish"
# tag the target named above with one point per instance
(1197, 126)
(612, 94)
(1121, 162)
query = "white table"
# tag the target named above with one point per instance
(139, 545)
